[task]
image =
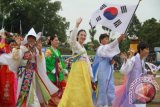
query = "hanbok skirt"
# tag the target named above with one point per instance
(8, 87)
(78, 89)
(30, 92)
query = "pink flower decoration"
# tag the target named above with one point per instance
(25, 88)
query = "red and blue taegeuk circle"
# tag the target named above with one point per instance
(110, 13)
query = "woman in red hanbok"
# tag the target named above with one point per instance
(8, 79)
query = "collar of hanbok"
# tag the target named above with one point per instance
(142, 60)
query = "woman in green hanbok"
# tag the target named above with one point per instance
(55, 65)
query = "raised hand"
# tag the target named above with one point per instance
(78, 22)
(121, 38)
(39, 46)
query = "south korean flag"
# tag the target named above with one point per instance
(114, 17)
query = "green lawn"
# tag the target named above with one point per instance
(119, 78)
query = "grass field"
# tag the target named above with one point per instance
(119, 78)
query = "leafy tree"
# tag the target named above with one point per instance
(96, 44)
(134, 27)
(34, 13)
(124, 46)
(92, 33)
(86, 46)
(150, 33)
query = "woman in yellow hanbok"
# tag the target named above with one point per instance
(78, 91)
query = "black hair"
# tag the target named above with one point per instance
(31, 36)
(142, 45)
(82, 30)
(11, 41)
(102, 36)
(51, 38)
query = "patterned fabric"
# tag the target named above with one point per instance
(122, 99)
(54, 62)
(26, 84)
(8, 87)
(40, 70)
(50, 64)
(8, 82)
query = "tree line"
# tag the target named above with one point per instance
(20, 15)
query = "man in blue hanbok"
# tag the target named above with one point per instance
(103, 71)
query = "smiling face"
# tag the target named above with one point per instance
(143, 49)
(31, 40)
(81, 37)
(55, 42)
(144, 53)
(105, 41)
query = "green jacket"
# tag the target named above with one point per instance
(50, 65)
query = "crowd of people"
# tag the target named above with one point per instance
(31, 78)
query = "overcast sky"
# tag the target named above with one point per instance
(72, 9)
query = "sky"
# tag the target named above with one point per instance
(72, 9)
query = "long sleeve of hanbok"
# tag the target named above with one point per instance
(49, 61)
(8, 59)
(127, 66)
(109, 50)
(73, 41)
(13, 59)
(73, 37)
(41, 67)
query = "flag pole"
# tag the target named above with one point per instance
(42, 30)
(132, 16)
(20, 28)
(3, 23)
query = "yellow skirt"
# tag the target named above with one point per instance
(78, 89)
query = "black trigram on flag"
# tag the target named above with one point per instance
(123, 9)
(103, 6)
(117, 23)
(98, 18)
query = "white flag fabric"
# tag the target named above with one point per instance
(112, 16)
(153, 67)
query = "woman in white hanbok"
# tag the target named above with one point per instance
(35, 87)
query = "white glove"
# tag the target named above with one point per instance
(54, 71)
(65, 71)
